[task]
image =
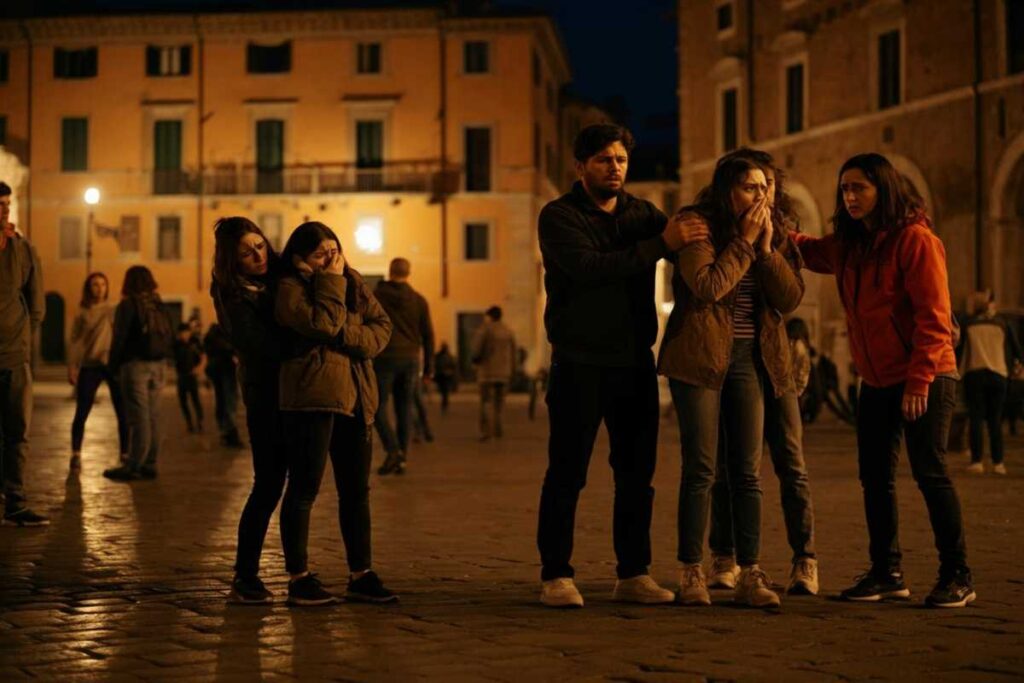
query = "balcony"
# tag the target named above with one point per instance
(313, 179)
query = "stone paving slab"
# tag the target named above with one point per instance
(128, 583)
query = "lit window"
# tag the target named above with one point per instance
(370, 235)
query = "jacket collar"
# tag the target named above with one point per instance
(580, 196)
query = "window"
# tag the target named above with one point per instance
(536, 146)
(725, 19)
(270, 156)
(5, 65)
(167, 175)
(794, 98)
(273, 228)
(889, 69)
(74, 144)
(730, 121)
(168, 238)
(168, 61)
(128, 235)
(80, 63)
(478, 160)
(477, 241)
(368, 58)
(269, 59)
(1014, 36)
(3, 131)
(71, 238)
(369, 155)
(551, 97)
(476, 57)
(536, 69)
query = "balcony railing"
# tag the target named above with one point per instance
(312, 179)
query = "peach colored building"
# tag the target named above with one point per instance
(410, 132)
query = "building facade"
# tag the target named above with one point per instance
(410, 132)
(936, 86)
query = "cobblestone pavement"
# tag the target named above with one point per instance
(129, 581)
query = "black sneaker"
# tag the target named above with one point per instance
(309, 591)
(147, 472)
(392, 463)
(368, 588)
(249, 591)
(25, 517)
(121, 473)
(874, 586)
(954, 589)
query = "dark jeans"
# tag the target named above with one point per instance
(444, 387)
(313, 436)
(188, 388)
(420, 424)
(15, 419)
(89, 380)
(783, 430)
(880, 425)
(579, 398)
(395, 377)
(225, 401)
(740, 407)
(141, 382)
(492, 402)
(270, 467)
(986, 396)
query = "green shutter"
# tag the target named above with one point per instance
(74, 144)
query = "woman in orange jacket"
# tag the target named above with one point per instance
(890, 269)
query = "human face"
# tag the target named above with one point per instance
(752, 188)
(604, 174)
(322, 255)
(860, 195)
(252, 254)
(5, 210)
(98, 289)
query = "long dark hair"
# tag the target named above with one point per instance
(138, 282)
(228, 233)
(897, 206)
(87, 301)
(714, 202)
(304, 241)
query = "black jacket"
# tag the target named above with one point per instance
(412, 334)
(599, 278)
(128, 342)
(247, 320)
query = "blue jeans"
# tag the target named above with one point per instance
(783, 430)
(141, 382)
(395, 376)
(740, 405)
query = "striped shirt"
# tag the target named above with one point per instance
(744, 324)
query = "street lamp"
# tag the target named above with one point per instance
(92, 198)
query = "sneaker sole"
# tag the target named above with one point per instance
(968, 599)
(306, 602)
(800, 589)
(237, 599)
(694, 602)
(879, 597)
(561, 605)
(355, 597)
(639, 600)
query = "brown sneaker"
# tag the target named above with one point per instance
(753, 589)
(724, 572)
(803, 580)
(642, 589)
(693, 589)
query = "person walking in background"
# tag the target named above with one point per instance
(188, 356)
(991, 353)
(328, 397)
(245, 271)
(494, 354)
(221, 368)
(421, 430)
(398, 364)
(891, 271)
(445, 375)
(21, 313)
(92, 332)
(142, 343)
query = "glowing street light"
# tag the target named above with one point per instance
(92, 196)
(370, 235)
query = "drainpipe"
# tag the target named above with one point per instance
(443, 115)
(750, 72)
(979, 139)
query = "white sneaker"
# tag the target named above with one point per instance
(976, 468)
(803, 580)
(999, 469)
(753, 589)
(642, 589)
(560, 593)
(693, 590)
(724, 572)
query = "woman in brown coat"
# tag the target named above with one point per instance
(328, 397)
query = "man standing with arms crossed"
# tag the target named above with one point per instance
(21, 312)
(600, 247)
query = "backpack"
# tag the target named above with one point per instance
(157, 340)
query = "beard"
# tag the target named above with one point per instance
(603, 192)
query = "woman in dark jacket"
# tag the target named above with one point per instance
(243, 294)
(328, 398)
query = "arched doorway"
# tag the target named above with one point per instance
(51, 334)
(1005, 228)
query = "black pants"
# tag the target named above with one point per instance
(986, 397)
(270, 467)
(89, 380)
(188, 389)
(880, 425)
(579, 398)
(314, 435)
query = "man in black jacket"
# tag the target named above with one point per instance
(600, 247)
(398, 365)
